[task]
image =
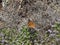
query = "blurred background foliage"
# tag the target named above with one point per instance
(23, 37)
(42, 11)
(14, 37)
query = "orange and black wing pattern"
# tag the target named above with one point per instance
(31, 24)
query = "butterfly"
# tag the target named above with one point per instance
(31, 24)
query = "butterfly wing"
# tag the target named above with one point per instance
(31, 24)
